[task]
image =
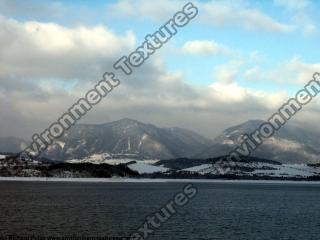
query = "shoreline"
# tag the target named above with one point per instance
(149, 180)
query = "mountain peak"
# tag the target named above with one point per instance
(255, 122)
(127, 136)
(127, 121)
(245, 127)
(288, 145)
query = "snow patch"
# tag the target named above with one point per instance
(258, 168)
(228, 141)
(198, 168)
(112, 159)
(61, 144)
(146, 168)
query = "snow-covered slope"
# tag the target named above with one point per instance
(128, 140)
(257, 169)
(140, 166)
(111, 159)
(252, 167)
(146, 168)
(127, 136)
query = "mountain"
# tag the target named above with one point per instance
(126, 140)
(288, 145)
(12, 145)
(127, 137)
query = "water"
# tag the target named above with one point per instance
(232, 211)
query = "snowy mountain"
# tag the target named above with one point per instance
(289, 145)
(127, 138)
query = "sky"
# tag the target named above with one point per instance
(236, 61)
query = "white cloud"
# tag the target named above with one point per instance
(34, 55)
(291, 72)
(213, 13)
(204, 48)
(31, 8)
(301, 14)
(35, 49)
(293, 4)
(227, 73)
(235, 14)
(303, 71)
(155, 10)
(234, 93)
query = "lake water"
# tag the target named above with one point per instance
(232, 211)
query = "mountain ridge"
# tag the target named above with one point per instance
(290, 144)
(127, 136)
(132, 139)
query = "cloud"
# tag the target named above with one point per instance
(224, 14)
(303, 72)
(155, 10)
(40, 61)
(213, 13)
(293, 4)
(301, 14)
(292, 72)
(227, 73)
(204, 48)
(49, 50)
(234, 93)
(46, 67)
(31, 8)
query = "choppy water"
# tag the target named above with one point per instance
(232, 211)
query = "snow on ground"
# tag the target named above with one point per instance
(261, 169)
(153, 180)
(198, 169)
(110, 161)
(228, 141)
(289, 170)
(61, 144)
(146, 168)
(127, 160)
(206, 169)
(2, 156)
(101, 161)
(113, 159)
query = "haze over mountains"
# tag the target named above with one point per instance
(12, 144)
(288, 145)
(137, 140)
